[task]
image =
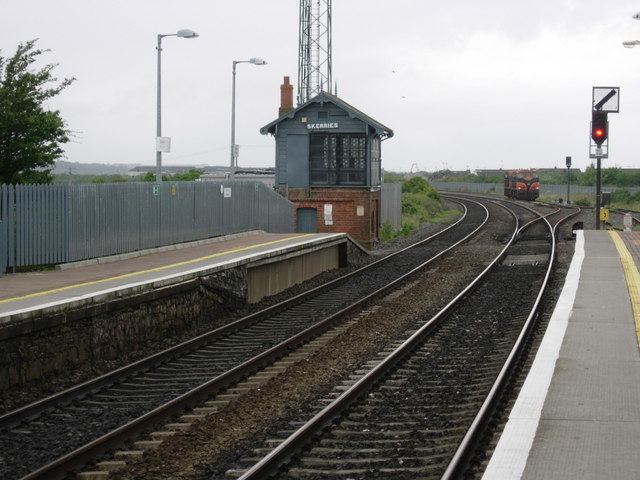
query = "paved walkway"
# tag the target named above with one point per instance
(25, 292)
(578, 413)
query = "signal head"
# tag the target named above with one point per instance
(599, 127)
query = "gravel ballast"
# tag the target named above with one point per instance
(215, 443)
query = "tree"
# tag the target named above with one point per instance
(420, 186)
(189, 176)
(31, 136)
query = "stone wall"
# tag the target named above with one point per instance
(35, 346)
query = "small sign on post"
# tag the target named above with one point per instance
(604, 214)
(163, 144)
(595, 151)
(156, 190)
(606, 99)
(328, 214)
(627, 222)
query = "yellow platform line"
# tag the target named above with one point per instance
(632, 276)
(150, 270)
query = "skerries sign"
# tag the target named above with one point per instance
(321, 126)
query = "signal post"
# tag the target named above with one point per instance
(604, 100)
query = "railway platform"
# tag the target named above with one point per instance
(577, 415)
(77, 284)
(52, 321)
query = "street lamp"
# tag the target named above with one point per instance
(184, 33)
(234, 150)
(632, 43)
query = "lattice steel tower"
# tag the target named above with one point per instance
(314, 49)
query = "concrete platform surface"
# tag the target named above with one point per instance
(578, 413)
(27, 292)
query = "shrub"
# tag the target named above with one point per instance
(406, 229)
(392, 177)
(621, 196)
(387, 233)
(420, 185)
(420, 205)
(582, 202)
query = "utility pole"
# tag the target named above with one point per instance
(604, 100)
(598, 191)
(568, 180)
(234, 150)
(161, 145)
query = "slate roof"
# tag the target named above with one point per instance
(323, 97)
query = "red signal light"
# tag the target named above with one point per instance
(599, 127)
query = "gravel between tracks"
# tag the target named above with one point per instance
(213, 444)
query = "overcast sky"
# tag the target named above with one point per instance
(477, 84)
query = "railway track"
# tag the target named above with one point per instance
(419, 410)
(510, 394)
(51, 437)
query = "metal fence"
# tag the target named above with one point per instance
(545, 189)
(391, 205)
(46, 224)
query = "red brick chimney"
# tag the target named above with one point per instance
(286, 97)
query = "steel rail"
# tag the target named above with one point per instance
(60, 467)
(497, 201)
(297, 440)
(32, 410)
(536, 220)
(465, 451)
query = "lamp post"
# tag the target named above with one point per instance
(234, 154)
(184, 33)
(632, 43)
(568, 159)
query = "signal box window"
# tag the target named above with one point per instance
(337, 159)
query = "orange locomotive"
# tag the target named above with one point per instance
(521, 184)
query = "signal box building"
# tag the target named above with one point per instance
(328, 163)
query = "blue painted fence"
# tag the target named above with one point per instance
(48, 224)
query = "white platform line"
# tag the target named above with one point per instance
(510, 456)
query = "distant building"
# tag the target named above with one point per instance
(210, 171)
(166, 169)
(266, 176)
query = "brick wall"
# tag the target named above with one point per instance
(345, 202)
